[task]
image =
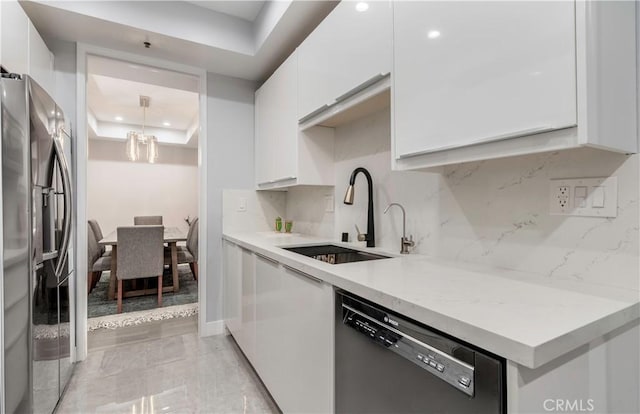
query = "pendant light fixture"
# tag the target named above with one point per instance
(134, 139)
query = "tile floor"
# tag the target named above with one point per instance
(164, 367)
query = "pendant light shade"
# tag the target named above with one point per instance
(133, 151)
(152, 149)
(134, 139)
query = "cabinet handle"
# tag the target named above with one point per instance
(314, 113)
(268, 259)
(363, 85)
(350, 93)
(301, 273)
(293, 177)
(516, 134)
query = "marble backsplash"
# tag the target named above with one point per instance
(494, 212)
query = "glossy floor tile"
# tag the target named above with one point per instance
(171, 371)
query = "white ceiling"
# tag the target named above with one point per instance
(246, 10)
(114, 89)
(109, 98)
(184, 32)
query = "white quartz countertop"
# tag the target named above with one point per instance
(525, 318)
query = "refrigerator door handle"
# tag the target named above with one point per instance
(68, 200)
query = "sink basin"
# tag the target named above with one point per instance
(335, 254)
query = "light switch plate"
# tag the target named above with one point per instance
(328, 200)
(586, 197)
(242, 204)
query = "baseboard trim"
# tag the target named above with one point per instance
(212, 328)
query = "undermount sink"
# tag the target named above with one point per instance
(335, 254)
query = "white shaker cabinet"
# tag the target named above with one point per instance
(284, 155)
(480, 80)
(351, 47)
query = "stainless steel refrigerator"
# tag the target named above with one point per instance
(36, 248)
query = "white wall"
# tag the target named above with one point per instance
(493, 211)
(119, 189)
(229, 165)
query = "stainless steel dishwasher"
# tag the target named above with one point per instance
(387, 363)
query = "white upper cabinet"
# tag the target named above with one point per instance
(476, 72)
(40, 61)
(276, 124)
(479, 80)
(23, 51)
(15, 43)
(284, 155)
(351, 48)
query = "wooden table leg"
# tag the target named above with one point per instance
(112, 277)
(174, 266)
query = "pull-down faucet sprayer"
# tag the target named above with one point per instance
(370, 237)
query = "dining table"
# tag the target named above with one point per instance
(172, 235)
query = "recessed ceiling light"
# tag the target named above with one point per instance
(118, 118)
(433, 34)
(165, 123)
(362, 6)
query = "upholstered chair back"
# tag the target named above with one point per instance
(140, 251)
(147, 221)
(192, 239)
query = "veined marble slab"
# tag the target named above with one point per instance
(524, 317)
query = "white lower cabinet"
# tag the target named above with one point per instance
(269, 327)
(231, 287)
(239, 296)
(282, 319)
(248, 304)
(307, 343)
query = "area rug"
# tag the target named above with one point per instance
(100, 305)
(140, 317)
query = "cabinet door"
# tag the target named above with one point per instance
(307, 344)
(248, 304)
(276, 143)
(351, 45)
(40, 61)
(474, 72)
(15, 32)
(232, 279)
(269, 327)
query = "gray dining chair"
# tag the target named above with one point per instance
(140, 255)
(147, 220)
(188, 253)
(97, 263)
(97, 231)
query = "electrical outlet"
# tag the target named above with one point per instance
(562, 198)
(587, 197)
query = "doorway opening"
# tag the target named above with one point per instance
(142, 169)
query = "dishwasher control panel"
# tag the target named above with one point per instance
(385, 330)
